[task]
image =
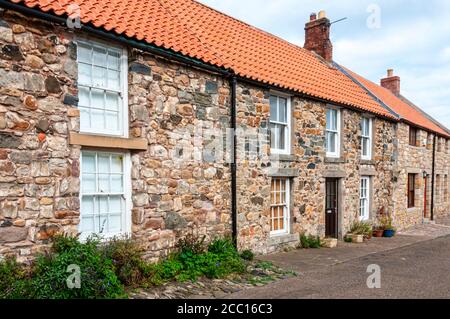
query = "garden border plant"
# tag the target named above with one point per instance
(108, 268)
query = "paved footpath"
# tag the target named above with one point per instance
(414, 264)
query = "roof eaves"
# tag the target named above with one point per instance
(442, 126)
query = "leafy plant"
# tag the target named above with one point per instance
(247, 255)
(361, 228)
(192, 244)
(386, 223)
(310, 241)
(127, 258)
(13, 283)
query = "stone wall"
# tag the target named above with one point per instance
(39, 170)
(416, 160)
(176, 187)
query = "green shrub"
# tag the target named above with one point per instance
(222, 246)
(310, 241)
(97, 273)
(13, 283)
(127, 258)
(192, 244)
(247, 255)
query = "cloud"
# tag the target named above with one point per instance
(412, 39)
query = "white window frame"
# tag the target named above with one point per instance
(287, 130)
(364, 211)
(123, 92)
(126, 217)
(368, 137)
(286, 209)
(337, 153)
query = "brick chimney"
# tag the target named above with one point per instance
(391, 82)
(317, 36)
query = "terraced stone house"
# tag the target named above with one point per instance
(158, 119)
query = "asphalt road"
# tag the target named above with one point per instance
(421, 270)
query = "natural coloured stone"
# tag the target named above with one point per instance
(6, 34)
(140, 68)
(8, 209)
(30, 102)
(12, 234)
(18, 28)
(11, 52)
(52, 85)
(34, 62)
(21, 157)
(174, 221)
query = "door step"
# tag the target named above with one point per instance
(428, 221)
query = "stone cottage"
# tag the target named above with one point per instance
(158, 119)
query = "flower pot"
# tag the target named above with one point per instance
(329, 242)
(378, 233)
(357, 239)
(389, 233)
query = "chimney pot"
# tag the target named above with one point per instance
(312, 17)
(390, 73)
(322, 14)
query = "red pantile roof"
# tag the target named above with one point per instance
(200, 32)
(399, 105)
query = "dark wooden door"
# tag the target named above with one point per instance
(331, 208)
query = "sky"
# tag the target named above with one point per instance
(410, 36)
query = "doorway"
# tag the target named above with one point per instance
(331, 207)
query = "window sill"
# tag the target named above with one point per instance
(367, 162)
(108, 142)
(275, 240)
(336, 160)
(283, 157)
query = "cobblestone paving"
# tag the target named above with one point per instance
(258, 274)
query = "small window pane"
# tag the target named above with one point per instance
(83, 96)
(89, 183)
(85, 121)
(100, 57)
(114, 224)
(103, 164)
(273, 108)
(116, 183)
(113, 80)
(115, 204)
(84, 53)
(112, 101)
(282, 110)
(84, 74)
(88, 163)
(112, 121)
(88, 224)
(116, 164)
(103, 183)
(98, 99)
(99, 77)
(97, 118)
(87, 205)
(113, 60)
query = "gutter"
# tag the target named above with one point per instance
(166, 53)
(433, 170)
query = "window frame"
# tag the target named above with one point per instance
(369, 138)
(287, 130)
(123, 90)
(366, 214)
(413, 137)
(337, 153)
(286, 209)
(411, 198)
(126, 216)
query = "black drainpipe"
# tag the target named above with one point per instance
(432, 177)
(233, 85)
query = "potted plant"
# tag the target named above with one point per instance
(378, 231)
(359, 231)
(389, 229)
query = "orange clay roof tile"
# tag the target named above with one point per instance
(200, 32)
